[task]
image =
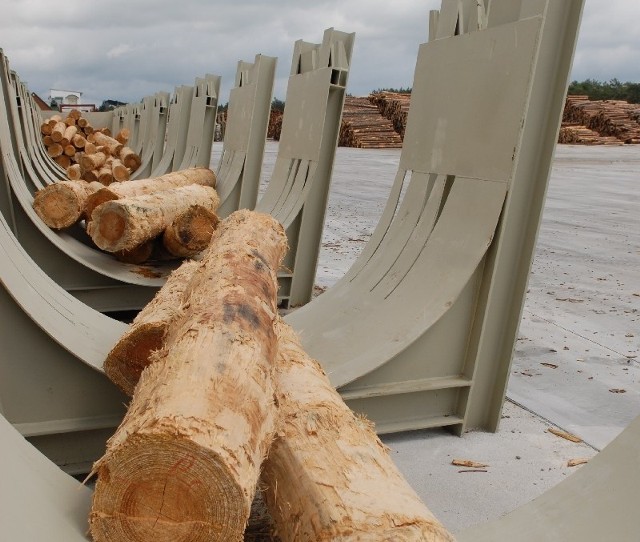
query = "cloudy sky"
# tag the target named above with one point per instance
(125, 50)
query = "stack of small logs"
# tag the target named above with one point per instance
(576, 134)
(608, 118)
(275, 125)
(88, 153)
(224, 396)
(166, 217)
(363, 127)
(394, 106)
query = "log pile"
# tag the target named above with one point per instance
(608, 118)
(222, 390)
(363, 127)
(167, 217)
(576, 134)
(275, 125)
(88, 153)
(394, 106)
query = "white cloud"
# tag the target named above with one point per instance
(126, 50)
(119, 50)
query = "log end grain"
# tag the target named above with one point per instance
(129, 357)
(58, 208)
(110, 229)
(165, 488)
(190, 233)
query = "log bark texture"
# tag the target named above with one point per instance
(140, 187)
(190, 232)
(328, 476)
(131, 354)
(184, 464)
(62, 204)
(128, 222)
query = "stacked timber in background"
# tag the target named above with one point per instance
(363, 127)
(88, 153)
(224, 390)
(394, 106)
(612, 121)
(274, 129)
(167, 217)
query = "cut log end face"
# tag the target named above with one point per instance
(57, 209)
(112, 225)
(191, 232)
(131, 355)
(162, 488)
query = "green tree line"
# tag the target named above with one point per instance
(609, 90)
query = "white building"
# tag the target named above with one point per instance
(69, 99)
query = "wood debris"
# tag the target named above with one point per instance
(550, 365)
(564, 435)
(618, 390)
(468, 463)
(576, 462)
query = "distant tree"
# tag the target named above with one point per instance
(54, 105)
(110, 105)
(610, 90)
(277, 105)
(400, 90)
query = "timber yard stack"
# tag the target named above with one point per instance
(275, 125)
(608, 118)
(394, 106)
(363, 127)
(87, 153)
(576, 134)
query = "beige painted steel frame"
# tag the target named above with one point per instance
(299, 186)
(420, 331)
(238, 171)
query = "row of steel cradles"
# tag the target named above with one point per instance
(68, 257)
(65, 407)
(420, 332)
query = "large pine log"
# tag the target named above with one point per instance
(131, 354)
(128, 222)
(139, 187)
(62, 204)
(190, 232)
(328, 476)
(184, 463)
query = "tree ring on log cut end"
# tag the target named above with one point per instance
(112, 227)
(57, 208)
(165, 488)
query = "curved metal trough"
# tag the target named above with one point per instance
(420, 331)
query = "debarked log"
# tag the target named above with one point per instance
(328, 476)
(127, 359)
(184, 464)
(62, 204)
(139, 187)
(190, 232)
(128, 222)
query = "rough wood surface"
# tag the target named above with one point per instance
(132, 352)
(190, 232)
(128, 222)
(328, 476)
(139, 187)
(184, 463)
(62, 204)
